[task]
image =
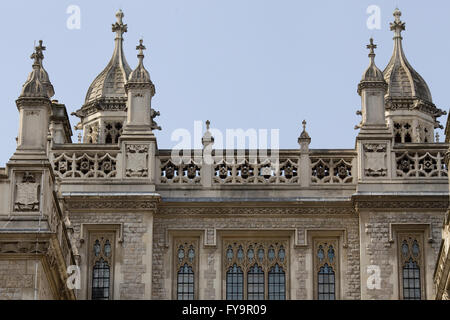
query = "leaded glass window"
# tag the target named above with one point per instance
(255, 270)
(326, 268)
(235, 283)
(185, 283)
(255, 283)
(277, 283)
(101, 262)
(410, 248)
(185, 266)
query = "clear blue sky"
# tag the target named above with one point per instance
(239, 63)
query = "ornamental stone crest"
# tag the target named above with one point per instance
(137, 155)
(27, 193)
(375, 164)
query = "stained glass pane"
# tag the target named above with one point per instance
(230, 253)
(191, 254)
(271, 254)
(281, 254)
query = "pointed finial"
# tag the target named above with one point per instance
(119, 28)
(397, 26)
(437, 137)
(119, 16)
(371, 46)
(37, 55)
(141, 49)
(304, 134)
(207, 138)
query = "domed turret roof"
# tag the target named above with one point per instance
(140, 74)
(110, 83)
(38, 84)
(372, 72)
(403, 81)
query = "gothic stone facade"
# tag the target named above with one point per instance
(363, 223)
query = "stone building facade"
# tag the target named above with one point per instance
(140, 222)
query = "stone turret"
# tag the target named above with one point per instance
(410, 109)
(103, 113)
(34, 107)
(138, 143)
(374, 140)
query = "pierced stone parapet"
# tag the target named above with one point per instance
(421, 164)
(85, 165)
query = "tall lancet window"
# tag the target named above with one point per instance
(186, 263)
(255, 270)
(326, 269)
(411, 266)
(101, 266)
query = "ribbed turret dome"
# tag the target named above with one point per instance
(403, 81)
(110, 83)
(372, 72)
(38, 84)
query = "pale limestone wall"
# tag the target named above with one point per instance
(17, 280)
(376, 249)
(132, 258)
(211, 283)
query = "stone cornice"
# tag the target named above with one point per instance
(254, 209)
(372, 85)
(32, 102)
(391, 202)
(107, 203)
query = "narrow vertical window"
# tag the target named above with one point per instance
(326, 269)
(235, 283)
(101, 264)
(410, 248)
(277, 283)
(185, 287)
(186, 260)
(255, 283)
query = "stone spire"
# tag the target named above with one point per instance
(140, 90)
(372, 73)
(38, 84)
(34, 107)
(207, 138)
(372, 89)
(109, 86)
(140, 75)
(406, 88)
(304, 139)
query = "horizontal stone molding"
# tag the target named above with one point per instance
(86, 203)
(270, 209)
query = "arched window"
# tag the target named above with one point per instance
(102, 255)
(186, 262)
(185, 283)
(255, 270)
(100, 280)
(411, 263)
(255, 283)
(326, 267)
(327, 283)
(235, 283)
(277, 283)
